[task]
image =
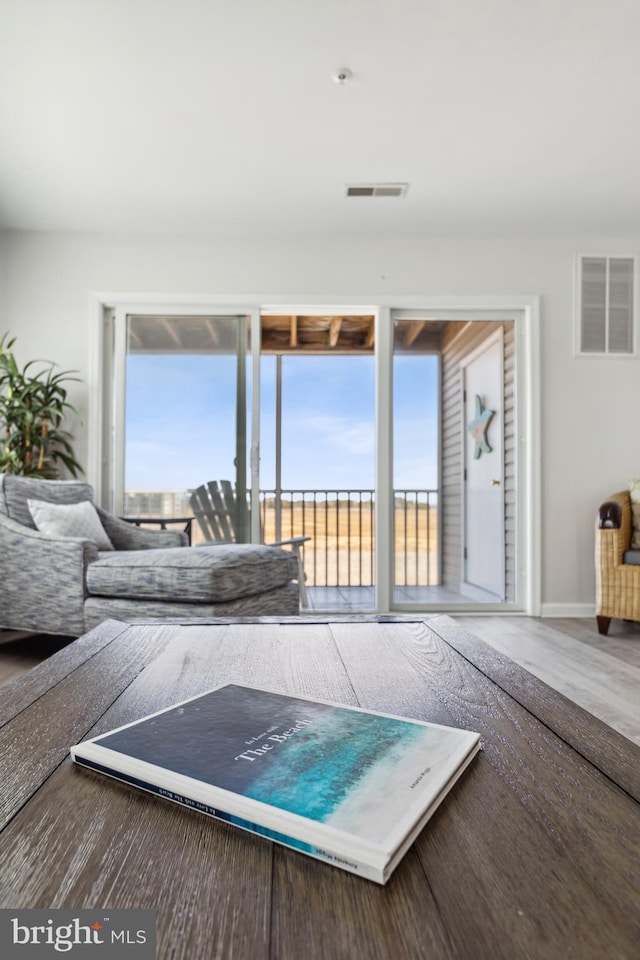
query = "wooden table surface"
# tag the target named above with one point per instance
(534, 853)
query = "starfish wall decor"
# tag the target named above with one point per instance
(478, 428)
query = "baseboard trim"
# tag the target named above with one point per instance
(568, 610)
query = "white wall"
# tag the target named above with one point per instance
(3, 279)
(589, 448)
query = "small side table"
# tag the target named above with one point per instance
(162, 522)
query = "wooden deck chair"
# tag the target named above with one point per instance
(223, 519)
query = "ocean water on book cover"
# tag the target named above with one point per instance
(349, 780)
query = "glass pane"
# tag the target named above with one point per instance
(185, 412)
(327, 456)
(415, 462)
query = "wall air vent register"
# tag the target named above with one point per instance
(606, 307)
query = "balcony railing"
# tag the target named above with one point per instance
(341, 526)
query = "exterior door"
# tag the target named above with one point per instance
(483, 501)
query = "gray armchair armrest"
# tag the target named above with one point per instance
(126, 536)
(42, 580)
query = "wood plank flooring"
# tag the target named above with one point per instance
(601, 674)
(21, 651)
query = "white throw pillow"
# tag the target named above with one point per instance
(634, 493)
(70, 520)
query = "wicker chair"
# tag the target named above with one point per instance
(617, 563)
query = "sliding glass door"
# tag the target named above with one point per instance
(182, 414)
(392, 439)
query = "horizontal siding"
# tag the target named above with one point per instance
(459, 340)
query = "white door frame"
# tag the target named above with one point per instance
(523, 310)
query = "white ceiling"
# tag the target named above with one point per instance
(220, 117)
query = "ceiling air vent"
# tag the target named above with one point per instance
(377, 189)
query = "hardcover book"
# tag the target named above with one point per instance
(349, 786)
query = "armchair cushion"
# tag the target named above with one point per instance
(16, 490)
(126, 536)
(69, 520)
(208, 574)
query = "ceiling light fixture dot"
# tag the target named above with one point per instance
(342, 75)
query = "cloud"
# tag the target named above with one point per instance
(332, 431)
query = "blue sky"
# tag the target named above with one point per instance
(181, 421)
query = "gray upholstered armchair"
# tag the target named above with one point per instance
(65, 584)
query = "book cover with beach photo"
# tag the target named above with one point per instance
(349, 786)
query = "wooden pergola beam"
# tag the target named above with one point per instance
(212, 331)
(169, 327)
(371, 335)
(414, 328)
(293, 332)
(135, 340)
(334, 330)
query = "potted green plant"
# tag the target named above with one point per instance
(33, 405)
